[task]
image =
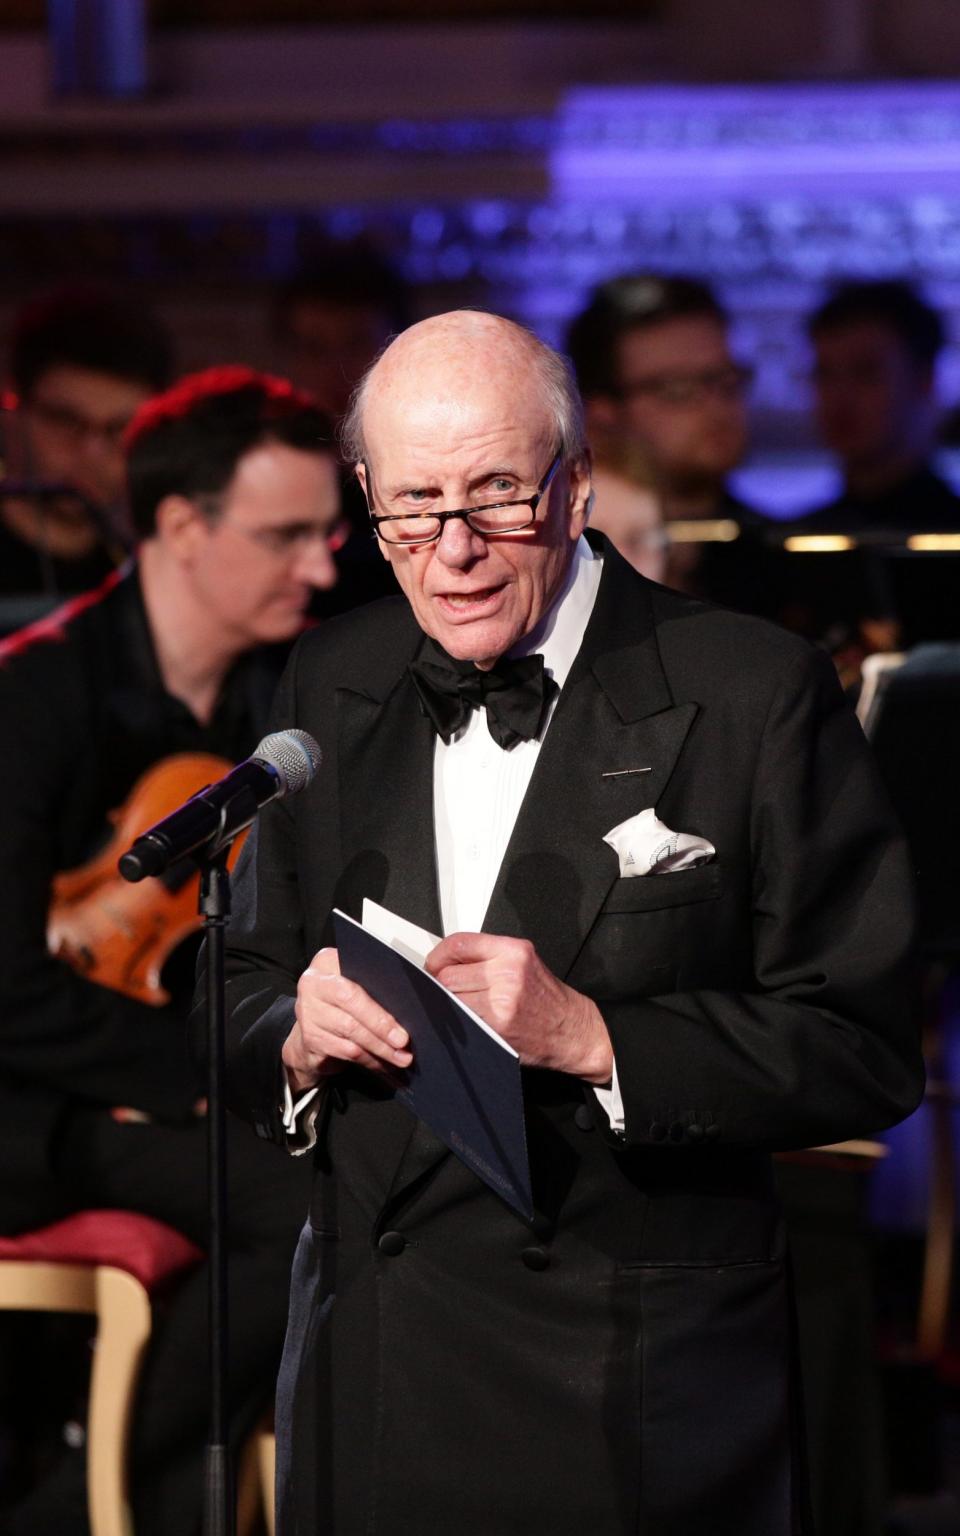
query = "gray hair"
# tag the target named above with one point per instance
(557, 382)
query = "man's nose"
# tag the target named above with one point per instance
(459, 544)
(315, 564)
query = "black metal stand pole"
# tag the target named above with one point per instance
(219, 1515)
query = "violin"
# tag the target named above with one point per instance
(121, 935)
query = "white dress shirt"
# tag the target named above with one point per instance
(478, 787)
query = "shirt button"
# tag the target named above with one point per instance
(535, 1258)
(392, 1243)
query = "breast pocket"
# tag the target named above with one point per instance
(643, 931)
(649, 893)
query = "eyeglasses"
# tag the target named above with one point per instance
(691, 388)
(284, 539)
(74, 426)
(489, 519)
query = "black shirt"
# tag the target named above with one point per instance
(918, 590)
(27, 569)
(921, 502)
(83, 713)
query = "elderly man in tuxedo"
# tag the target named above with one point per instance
(622, 1362)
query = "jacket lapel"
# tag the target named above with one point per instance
(386, 750)
(615, 715)
(385, 765)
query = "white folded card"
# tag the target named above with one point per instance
(645, 846)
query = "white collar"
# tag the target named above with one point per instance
(559, 634)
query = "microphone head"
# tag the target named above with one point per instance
(293, 755)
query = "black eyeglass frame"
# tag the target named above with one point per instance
(442, 518)
(729, 382)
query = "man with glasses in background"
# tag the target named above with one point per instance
(651, 834)
(233, 491)
(82, 361)
(654, 364)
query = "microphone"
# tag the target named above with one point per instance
(282, 764)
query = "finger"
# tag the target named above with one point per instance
(348, 1034)
(464, 948)
(326, 962)
(347, 997)
(465, 979)
(349, 1051)
(324, 1017)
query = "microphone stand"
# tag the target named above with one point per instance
(285, 762)
(219, 1513)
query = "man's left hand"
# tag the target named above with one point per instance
(507, 984)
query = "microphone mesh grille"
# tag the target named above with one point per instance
(294, 755)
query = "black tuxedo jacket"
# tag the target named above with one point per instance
(623, 1364)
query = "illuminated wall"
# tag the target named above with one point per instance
(770, 190)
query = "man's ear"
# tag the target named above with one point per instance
(360, 470)
(180, 525)
(580, 495)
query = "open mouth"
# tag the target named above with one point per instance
(470, 602)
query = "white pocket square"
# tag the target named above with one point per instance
(645, 846)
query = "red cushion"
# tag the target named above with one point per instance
(147, 1249)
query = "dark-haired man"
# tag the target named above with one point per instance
(82, 361)
(654, 364)
(233, 487)
(332, 318)
(875, 348)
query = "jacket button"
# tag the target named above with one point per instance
(695, 1131)
(658, 1131)
(711, 1131)
(677, 1130)
(392, 1243)
(535, 1258)
(583, 1119)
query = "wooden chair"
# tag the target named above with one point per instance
(108, 1264)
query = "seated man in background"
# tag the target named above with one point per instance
(875, 348)
(82, 361)
(332, 318)
(329, 322)
(233, 490)
(654, 363)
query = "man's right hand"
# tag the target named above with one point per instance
(339, 1025)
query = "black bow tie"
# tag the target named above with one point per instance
(515, 693)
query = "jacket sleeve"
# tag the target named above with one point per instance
(824, 1044)
(60, 1033)
(265, 953)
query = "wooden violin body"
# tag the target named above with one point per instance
(121, 935)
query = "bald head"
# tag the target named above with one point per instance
(441, 361)
(462, 416)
